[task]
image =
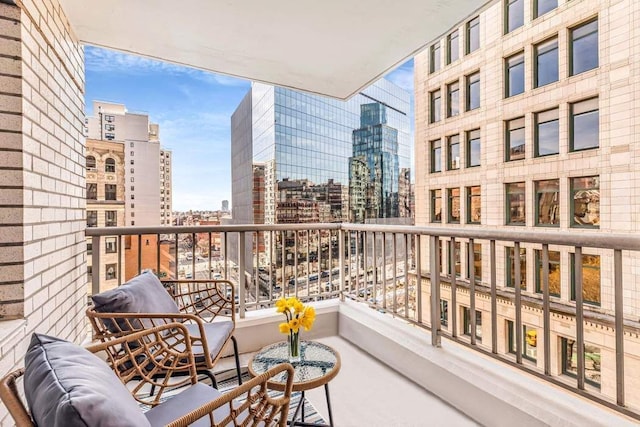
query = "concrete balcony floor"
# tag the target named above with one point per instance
(367, 392)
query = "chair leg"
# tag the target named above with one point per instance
(235, 353)
(212, 377)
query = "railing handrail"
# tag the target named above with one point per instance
(549, 236)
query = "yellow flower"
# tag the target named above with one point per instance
(281, 305)
(284, 328)
(292, 301)
(294, 324)
(298, 307)
(308, 317)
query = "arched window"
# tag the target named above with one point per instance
(110, 165)
(91, 163)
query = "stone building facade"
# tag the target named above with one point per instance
(527, 119)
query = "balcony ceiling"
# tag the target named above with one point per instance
(330, 47)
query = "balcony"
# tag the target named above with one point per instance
(374, 308)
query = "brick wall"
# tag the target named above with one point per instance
(42, 180)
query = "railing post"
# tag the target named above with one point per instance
(418, 289)
(454, 288)
(384, 271)
(579, 316)
(341, 238)
(374, 291)
(619, 312)
(518, 303)
(434, 279)
(494, 298)
(546, 310)
(241, 277)
(472, 290)
(95, 264)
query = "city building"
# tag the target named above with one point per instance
(105, 205)
(526, 120)
(225, 206)
(148, 165)
(305, 144)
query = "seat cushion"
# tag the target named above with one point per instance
(217, 335)
(142, 294)
(183, 403)
(66, 385)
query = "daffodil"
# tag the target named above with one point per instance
(298, 307)
(294, 324)
(281, 305)
(284, 328)
(292, 301)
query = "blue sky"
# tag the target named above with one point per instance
(193, 109)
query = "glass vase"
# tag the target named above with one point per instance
(294, 347)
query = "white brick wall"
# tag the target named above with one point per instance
(42, 246)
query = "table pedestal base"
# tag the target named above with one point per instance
(300, 410)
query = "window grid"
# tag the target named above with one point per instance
(514, 75)
(547, 133)
(547, 203)
(474, 205)
(473, 148)
(515, 140)
(515, 203)
(453, 152)
(453, 205)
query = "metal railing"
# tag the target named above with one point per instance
(386, 267)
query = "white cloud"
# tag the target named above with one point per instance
(105, 61)
(403, 77)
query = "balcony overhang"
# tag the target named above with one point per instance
(333, 47)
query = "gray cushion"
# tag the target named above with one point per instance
(142, 294)
(183, 403)
(67, 386)
(217, 334)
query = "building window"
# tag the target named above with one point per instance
(514, 14)
(453, 152)
(110, 218)
(436, 205)
(109, 192)
(452, 47)
(131, 144)
(585, 128)
(89, 248)
(515, 75)
(109, 136)
(109, 119)
(477, 263)
(592, 361)
(473, 35)
(436, 156)
(554, 272)
(546, 66)
(453, 196)
(92, 218)
(511, 268)
(133, 153)
(92, 191)
(585, 193)
(529, 341)
(473, 148)
(111, 245)
(457, 253)
(132, 189)
(515, 136)
(444, 313)
(132, 162)
(110, 270)
(436, 106)
(584, 48)
(466, 321)
(515, 203)
(474, 211)
(547, 202)
(435, 57)
(109, 126)
(91, 163)
(133, 205)
(473, 91)
(133, 223)
(547, 133)
(543, 6)
(590, 279)
(453, 99)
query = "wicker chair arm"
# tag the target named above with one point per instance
(258, 406)
(11, 399)
(206, 298)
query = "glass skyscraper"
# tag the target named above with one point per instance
(306, 143)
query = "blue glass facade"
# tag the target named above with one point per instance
(306, 142)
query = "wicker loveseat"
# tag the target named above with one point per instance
(67, 385)
(205, 307)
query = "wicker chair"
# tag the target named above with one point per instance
(205, 307)
(152, 357)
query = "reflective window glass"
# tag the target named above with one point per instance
(474, 205)
(515, 75)
(546, 70)
(473, 35)
(515, 139)
(452, 47)
(436, 106)
(585, 127)
(585, 194)
(547, 133)
(584, 48)
(554, 272)
(453, 210)
(436, 156)
(543, 6)
(453, 99)
(453, 152)
(515, 203)
(473, 91)
(435, 58)
(436, 205)
(547, 202)
(473, 148)
(515, 14)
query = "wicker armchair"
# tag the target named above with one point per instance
(205, 307)
(152, 357)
